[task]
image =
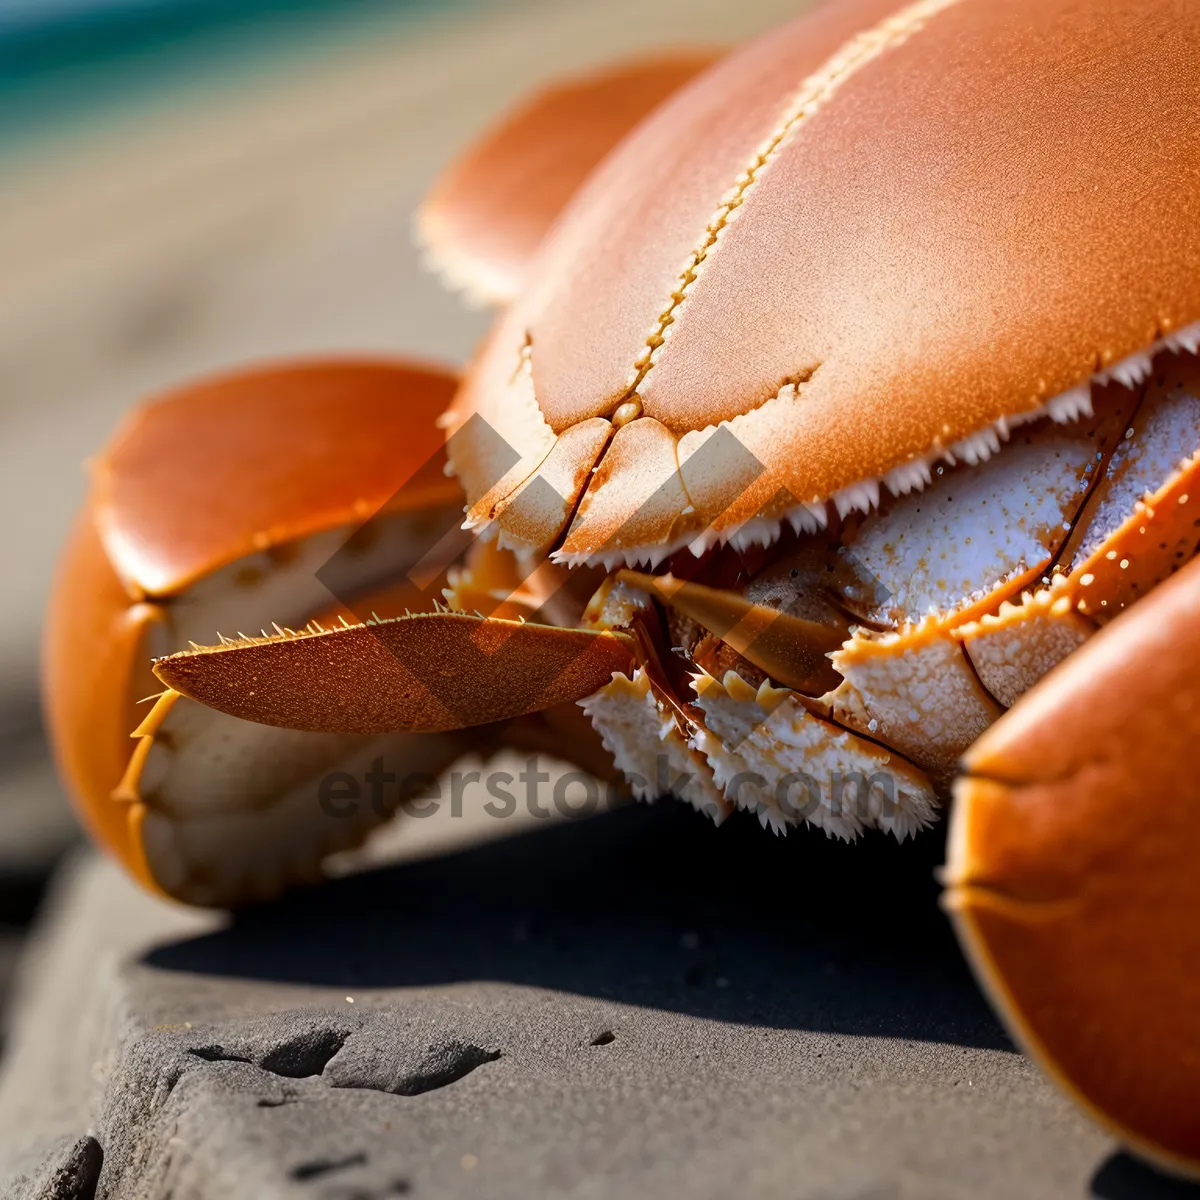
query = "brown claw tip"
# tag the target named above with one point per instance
(789, 649)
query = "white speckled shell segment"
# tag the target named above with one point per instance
(1013, 649)
(913, 690)
(981, 530)
(648, 748)
(1165, 430)
(774, 757)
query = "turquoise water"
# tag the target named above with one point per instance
(68, 60)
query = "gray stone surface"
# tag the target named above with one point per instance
(68, 1170)
(36, 827)
(634, 1006)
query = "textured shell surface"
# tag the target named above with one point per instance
(874, 241)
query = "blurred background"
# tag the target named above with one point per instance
(189, 184)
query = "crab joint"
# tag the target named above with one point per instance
(790, 650)
(630, 410)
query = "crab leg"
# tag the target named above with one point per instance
(915, 692)
(776, 756)
(1014, 648)
(959, 550)
(1072, 876)
(423, 673)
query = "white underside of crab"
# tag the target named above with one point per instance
(763, 751)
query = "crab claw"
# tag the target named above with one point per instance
(1071, 873)
(222, 506)
(791, 650)
(423, 673)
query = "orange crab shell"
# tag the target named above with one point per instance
(379, 669)
(250, 462)
(259, 459)
(530, 165)
(728, 264)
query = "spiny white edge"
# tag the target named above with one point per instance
(755, 730)
(1133, 371)
(484, 528)
(634, 558)
(1051, 601)
(456, 272)
(1186, 339)
(606, 710)
(811, 516)
(758, 531)
(914, 475)
(858, 497)
(762, 531)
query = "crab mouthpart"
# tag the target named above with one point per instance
(789, 649)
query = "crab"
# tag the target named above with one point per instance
(835, 456)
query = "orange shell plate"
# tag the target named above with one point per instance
(95, 668)
(940, 217)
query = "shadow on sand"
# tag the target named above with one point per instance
(650, 906)
(1122, 1177)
